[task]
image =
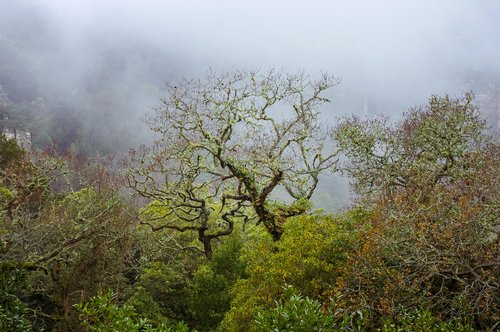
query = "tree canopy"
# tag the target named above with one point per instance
(432, 181)
(237, 159)
(433, 145)
(234, 139)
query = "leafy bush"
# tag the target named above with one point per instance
(301, 313)
(422, 320)
(12, 310)
(103, 315)
(9, 151)
(309, 256)
(161, 294)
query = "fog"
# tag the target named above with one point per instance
(103, 63)
(405, 48)
(395, 51)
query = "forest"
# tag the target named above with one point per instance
(212, 226)
(249, 166)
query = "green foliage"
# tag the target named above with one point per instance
(425, 236)
(5, 195)
(85, 245)
(423, 320)
(298, 313)
(9, 151)
(101, 314)
(174, 288)
(309, 256)
(13, 315)
(78, 240)
(161, 294)
(210, 294)
(145, 304)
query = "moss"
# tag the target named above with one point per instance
(6, 195)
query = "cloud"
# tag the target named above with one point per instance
(410, 48)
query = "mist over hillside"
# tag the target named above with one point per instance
(98, 64)
(81, 75)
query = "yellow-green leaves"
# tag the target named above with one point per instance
(308, 256)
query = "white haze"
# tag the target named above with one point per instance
(395, 50)
(406, 48)
(390, 54)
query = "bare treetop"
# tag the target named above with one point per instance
(234, 138)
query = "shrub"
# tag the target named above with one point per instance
(101, 314)
(301, 313)
(423, 320)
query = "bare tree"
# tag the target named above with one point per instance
(227, 143)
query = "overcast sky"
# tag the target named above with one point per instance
(390, 54)
(399, 51)
(409, 48)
